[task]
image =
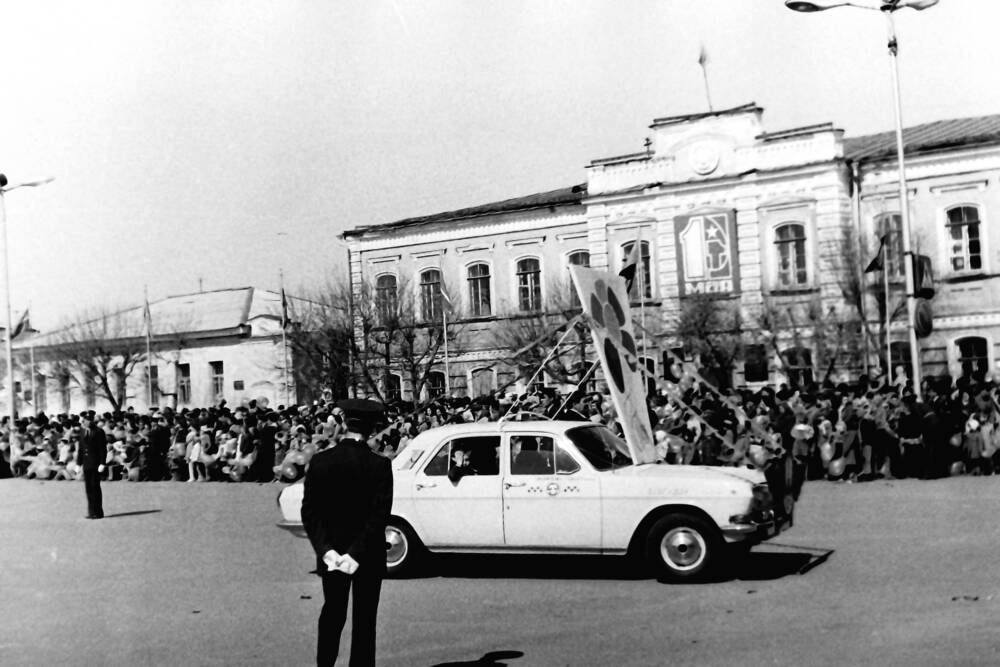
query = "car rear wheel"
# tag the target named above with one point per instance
(681, 547)
(402, 548)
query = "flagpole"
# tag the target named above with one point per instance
(284, 339)
(703, 61)
(149, 357)
(888, 320)
(447, 368)
(34, 396)
(641, 268)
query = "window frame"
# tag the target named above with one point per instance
(385, 308)
(534, 290)
(777, 244)
(964, 225)
(475, 304)
(963, 360)
(894, 248)
(646, 266)
(431, 301)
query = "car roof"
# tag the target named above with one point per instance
(473, 429)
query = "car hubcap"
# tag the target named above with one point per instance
(683, 548)
(395, 546)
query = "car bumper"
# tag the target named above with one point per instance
(747, 530)
(294, 527)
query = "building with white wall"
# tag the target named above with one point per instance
(760, 219)
(205, 347)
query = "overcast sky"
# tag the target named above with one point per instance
(221, 141)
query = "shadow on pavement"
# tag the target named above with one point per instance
(767, 565)
(477, 566)
(136, 513)
(491, 659)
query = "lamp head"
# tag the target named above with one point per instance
(813, 5)
(3, 180)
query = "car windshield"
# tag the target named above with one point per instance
(602, 448)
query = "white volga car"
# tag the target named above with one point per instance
(567, 488)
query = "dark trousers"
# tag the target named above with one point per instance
(366, 590)
(92, 484)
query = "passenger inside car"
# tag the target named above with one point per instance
(530, 455)
(460, 466)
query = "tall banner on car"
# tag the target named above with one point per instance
(605, 304)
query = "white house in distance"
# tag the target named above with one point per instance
(206, 347)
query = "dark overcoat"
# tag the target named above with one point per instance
(346, 504)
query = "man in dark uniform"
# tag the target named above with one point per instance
(91, 451)
(345, 506)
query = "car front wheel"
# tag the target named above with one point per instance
(402, 548)
(681, 547)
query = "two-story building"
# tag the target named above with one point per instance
(777, 225)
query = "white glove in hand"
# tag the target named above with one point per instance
(100, 468)
(330, 558)
(347, 564)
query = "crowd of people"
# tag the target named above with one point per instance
(854, 432)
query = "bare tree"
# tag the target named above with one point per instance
(712, 328)
(525, 339)
(102, 348)
(398, 329)
(320, 336)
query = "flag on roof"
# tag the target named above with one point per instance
(22, 325)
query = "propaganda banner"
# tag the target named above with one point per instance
(605, 303)
(707, 253)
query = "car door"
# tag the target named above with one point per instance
(466, 511)
(551, 498)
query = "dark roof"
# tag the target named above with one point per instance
(561, 197)
(929, 136)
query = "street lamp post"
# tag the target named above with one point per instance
(5, 188)
(887, 9)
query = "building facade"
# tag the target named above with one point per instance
(205, 347)
(777, 226)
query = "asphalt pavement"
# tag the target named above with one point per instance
(880, 573)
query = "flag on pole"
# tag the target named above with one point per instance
(444, 295)
(702, 56)
(147, 316)
(878, 263)
(22, 324)
(631, 264)
(284, 309)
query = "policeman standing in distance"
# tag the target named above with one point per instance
(345, 507)
(92, 449)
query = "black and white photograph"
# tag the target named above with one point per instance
(526, 334)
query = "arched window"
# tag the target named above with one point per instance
(966, 248)
(479, 290)
(973, 354)
(529, 284)
(385, 296)
(482, 383)
(578, 258)
(798, 366)
(642, 277)
(430, 295)
(890, 225)
(790, 250)
(435, 384)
